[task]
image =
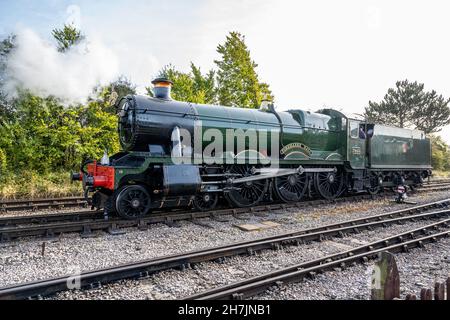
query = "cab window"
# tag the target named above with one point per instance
(354, 129)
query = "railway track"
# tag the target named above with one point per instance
(40, 204)
(243, 289)
(15, 221)
(402, 242)
(73, 202)
(88, 222)
(436, 184)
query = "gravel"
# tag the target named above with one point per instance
(173, 284)
(22, 260)
(420, 268)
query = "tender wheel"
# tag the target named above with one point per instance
(329, 184)
(206, 201)
(291, 188)
(246, 194)
(132, 202)
(375, 185)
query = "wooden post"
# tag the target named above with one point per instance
(426, 294)
(439, 291)
(43, 249)
(448, 288)
(385, 278)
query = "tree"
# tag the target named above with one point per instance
(409, 105)
(116, 90)
(67, 37)
(398, 104)
(205, 85)
(123, 86)
(237, 79)
(433, 115)
(192, 86)
(6, 46)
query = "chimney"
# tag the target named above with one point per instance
(162, 88)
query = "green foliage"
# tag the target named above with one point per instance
(237, 79)
(121, 86)
(409, 105)
(234, 84)
(66, 37)
(44, 136)
(40, 135)
(32, 184)
(193, 86)
(440, 154)
(3, 163)
(6, 46)
(434, 114)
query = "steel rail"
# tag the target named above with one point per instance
(432, 189)
(435, 184)
(46, 218)
(144, 268)
(39, 200)
(256, 285)
(39, 204)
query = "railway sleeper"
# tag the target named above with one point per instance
(49, 235)
(114, 230)
(4, 237)
(95, 285)
(172, 223)
(219, 218)
(87, 232)
(220, 260)
(142, 225)
(200, 223)
(238, 296)
(143, 275)
(276, 246)
(185, 266)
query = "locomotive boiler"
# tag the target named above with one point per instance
(179, 154)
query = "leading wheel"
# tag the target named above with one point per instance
(246, 194)
(329, 184)
(290, 188)
(206, 201)
(133, 202)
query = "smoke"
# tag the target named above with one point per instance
(71, 76)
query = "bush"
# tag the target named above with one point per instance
(440, 154)
(30, 184)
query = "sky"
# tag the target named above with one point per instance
(338, 54)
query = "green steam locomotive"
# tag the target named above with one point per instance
(181, 154)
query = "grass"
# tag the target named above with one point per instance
(32, 185)
(441, 174)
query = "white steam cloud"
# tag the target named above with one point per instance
(71, 76)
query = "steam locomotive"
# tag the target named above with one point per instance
(183, 154)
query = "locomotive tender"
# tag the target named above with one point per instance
(180, 154)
